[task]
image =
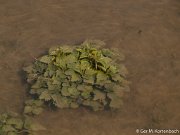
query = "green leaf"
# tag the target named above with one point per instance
(3, 117)
(67, 49)
(32, 102)
(12, 114)
(123, 70)
(116, 102)
(117, 77)
(33, 133)
(65, 91)
(107, 53)
(89, 76)
(17, 123)
(37, 110)
(112, 70)
(70, 59)
(73, 92)
(101, 77)
(40, 67)
(29, 102)
(45, 96)
(52, 87)
(12, 133)
(60, 101)
(60, 62)
(36, 85)
(90, 80)
(98, 95)
(31, 78)
(77, 68)
(84, 64)
(28, 109)
(109, 86)
(31, 125)
(37, 91)
(74, 105)
(105, 62)
(56, 81)
(69, 72)
(86, 94)
(74, 76)
(84, 88)
(60, 74)
(45, 59)
(28, 69)
(8, 128)
(102, 68)
(83, 55)
(38, 103)
(53, 51)
(90, 72)
(65, 84)
(95, 105)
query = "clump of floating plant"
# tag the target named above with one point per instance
(69, 77)
(12, 124)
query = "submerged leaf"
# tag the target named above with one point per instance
(85, 88)
(36, 85)
(122, 70)
(86, 94)
(93, 104)
(116, 102)
(70, 76)
(33, 107)
(98, 95)
(3, 117)
(70, 59)
(107, 53)
(17, 123)
(8, 128)
(45, 59)
(65, 91)
(28, 69)
(74, 105)
(45, 96)
(100, 77)
(12, 133)
(75, 77)
(37, 110)
(28, 109)
(32, 125)
(60, 101)
(37, 91)
(73, 92)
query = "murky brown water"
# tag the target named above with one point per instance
(147, 32)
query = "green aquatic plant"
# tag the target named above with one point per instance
(33, 107)
(84, 75)
(12, 124)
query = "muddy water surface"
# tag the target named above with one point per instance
(147, 32)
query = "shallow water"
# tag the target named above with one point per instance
(147, 32)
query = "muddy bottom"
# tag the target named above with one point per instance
(147, 32)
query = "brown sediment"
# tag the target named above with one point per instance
(147, 32)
